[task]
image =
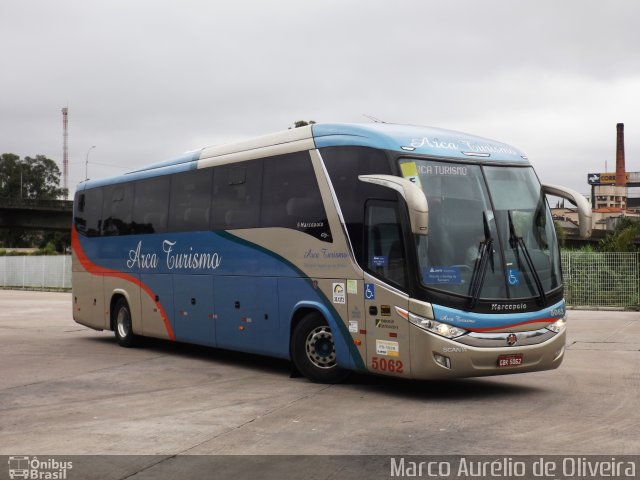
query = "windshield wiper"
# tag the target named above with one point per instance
(485, 254)
(515, 241)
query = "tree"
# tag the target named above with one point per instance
(32, 178)
(622, 238)
(28, 179)
(560, 233)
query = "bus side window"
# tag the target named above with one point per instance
(88, 214)
(190, 201)
(236, 195)
(291, 196)
(151, 205)
(384, 248)
(79, 219)
(117, 210)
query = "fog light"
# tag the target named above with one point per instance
(442, 360)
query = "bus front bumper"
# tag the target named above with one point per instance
(433, 356)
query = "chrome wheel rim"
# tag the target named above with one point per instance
(320, 348)
(122, 323)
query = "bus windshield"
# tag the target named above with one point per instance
(491, 234)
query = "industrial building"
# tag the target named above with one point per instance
(613, 194)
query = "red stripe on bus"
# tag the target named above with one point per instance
(539, 320)
(94, 269)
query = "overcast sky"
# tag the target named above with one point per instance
(148, 80)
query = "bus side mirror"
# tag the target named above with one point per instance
(412, 194)
(584, 209)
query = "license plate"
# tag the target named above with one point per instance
(510, 360)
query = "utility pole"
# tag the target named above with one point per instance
(65, 149)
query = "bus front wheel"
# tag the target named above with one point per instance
(122, 324)
(313, 350)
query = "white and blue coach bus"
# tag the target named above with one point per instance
(400, 250)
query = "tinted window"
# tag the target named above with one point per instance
(88, 212)
(79, 203)
(384, 249)
(236, 195)
(151, 205)
(190, 201)
(117, 209)
(291, 197)
(344, 164)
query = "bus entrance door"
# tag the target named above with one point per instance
(193, 309)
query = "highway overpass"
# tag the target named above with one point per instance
(48, 215)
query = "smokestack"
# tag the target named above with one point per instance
(621, 179)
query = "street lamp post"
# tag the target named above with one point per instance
(86, 163)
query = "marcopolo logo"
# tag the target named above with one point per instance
(37, 469)
(499, 307)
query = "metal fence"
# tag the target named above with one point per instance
(45, 271)
(592, 279)
(601, 279)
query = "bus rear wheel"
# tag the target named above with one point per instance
(313, 350)
(122, 324)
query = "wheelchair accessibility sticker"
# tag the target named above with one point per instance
(513, 276)
(369, 291)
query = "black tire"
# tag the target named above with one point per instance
(122, 324)
(313, 350)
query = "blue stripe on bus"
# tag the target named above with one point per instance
(343, 341)
(154, 259)
(486, 321)
(421, 140)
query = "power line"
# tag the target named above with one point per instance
(101, 164)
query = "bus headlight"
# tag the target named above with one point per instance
(442, 329)
(558, 325)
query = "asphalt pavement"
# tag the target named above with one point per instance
(69, 390)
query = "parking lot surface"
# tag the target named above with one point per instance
(67, 390)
